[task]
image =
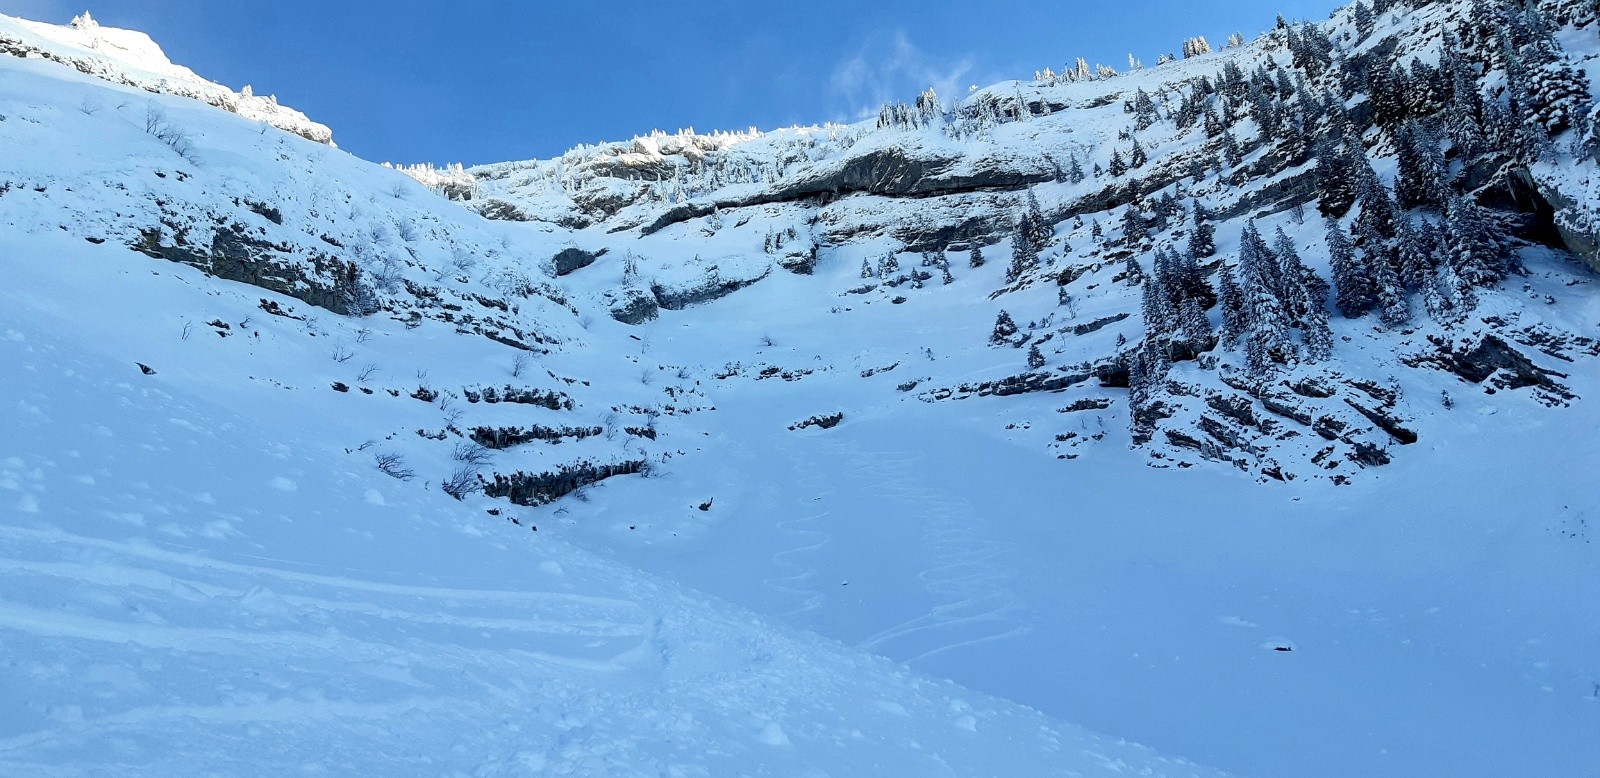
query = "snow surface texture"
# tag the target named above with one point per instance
(242, 364)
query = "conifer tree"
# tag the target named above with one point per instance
(1336, 184)
(1470, 244)
(1004, 330)
(1231, 299)
(1448, 298)
(1292, 272)
(1117, 167)
(1392, 307)
(1137, 156)
(1354, 292)
(1194, 326)
(1267, 337)
(976, 260)
(1378, 218)
(1554, 92)
(1416, 250)
(1134, 272)
(1203, 241)
(1256, 258)
(1039, 230)
(1133, 225)
(1024, 256)
(1160, 319)
(1421, 179)
(1035, 357)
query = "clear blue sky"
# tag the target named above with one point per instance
(492, 80)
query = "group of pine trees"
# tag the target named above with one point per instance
(1500, 94)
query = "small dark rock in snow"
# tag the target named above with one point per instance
(146, 369)
(706, 506)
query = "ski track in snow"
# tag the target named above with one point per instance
(807, 530)
(964, 570)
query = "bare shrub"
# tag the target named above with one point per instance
(462, 482)
(394, 466)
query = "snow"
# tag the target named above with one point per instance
(202, 570)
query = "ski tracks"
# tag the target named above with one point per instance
(156, 637)
(799, 579)
(962, 568)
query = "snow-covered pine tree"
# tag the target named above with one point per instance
(1232, 154)
(1292, 272)
(1267, 337)
(1133, 225)
(1134, 272)
(1137, 158)
(1148, 366)
(1470, 244)
(1416, 249)
(1024, 256)
(1420, 182)
(1364, 21)
(1231, 303)
(1354, 291)
(1448, 298)
(1256, 257)
(1194, 326)
(1203, 239)
(976, 258)
(1393, 309)
(1039, 230)
(1463, 123)
(1005, 328)
(1554, 92)
(1035, 357)
(1378, 219)
(1117, 167)
(1144, 112)
(1336, 181)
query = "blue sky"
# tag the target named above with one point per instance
(491, 80)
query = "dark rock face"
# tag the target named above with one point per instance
(1570, 221)
(329, 283)
(822, 421)
(1497, 363)
(1012, 385)
(1098, 324)
(535, 489)
(888, 172)
(574, 259)
(896, 172)
(710, 289)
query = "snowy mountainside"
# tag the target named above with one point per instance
(1206, 144)
(575, 488)
(243, 380)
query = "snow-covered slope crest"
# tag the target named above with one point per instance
(131, 58)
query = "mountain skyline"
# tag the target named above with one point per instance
(414, 81)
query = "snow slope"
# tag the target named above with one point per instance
(207, 571)
(204, 572)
